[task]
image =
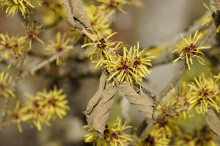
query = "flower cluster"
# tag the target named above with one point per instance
(44, 107)
(113, 135)
(204, 93)
(190, 50)
(154, 138)
(132, 65)
(61, 45)
(11, 46)
(102, 49)
(13, 6)
(32, 33)
(5, 81)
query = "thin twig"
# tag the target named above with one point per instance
(42, 64)
(171, 84)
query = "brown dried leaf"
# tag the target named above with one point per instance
(76, 14)
(102, 109)
(98, 116)
(139, 101)
(213, 121)
(96, 98)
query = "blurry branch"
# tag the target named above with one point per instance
(42, 64)
(171, 84)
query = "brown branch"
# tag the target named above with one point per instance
(171, 84)
(42, 64)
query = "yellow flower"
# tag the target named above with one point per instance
(154, 138)
(54, 102)
(16, 5)
(103, 49)
(32, 33)
(141, 61)
(122, 68)
(17, 115)
(203, 94)
(133, 65)
(61, 45)
(5, 80)
(189, 50)
(34, 113)
(113, 134)
(11, 46)
(44, 106)
(98, 20)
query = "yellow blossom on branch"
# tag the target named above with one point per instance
(114, 134)
(190, 50)
(32, 33)
(33, 112)
(154, 138)
(204, 93)
(102, 49)
(61, 45)
(44, 106)
(54, 103)
(133, 65)
(10, 46)
(13, 6)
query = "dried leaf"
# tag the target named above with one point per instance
(96, 98)
(102, 109)
(217, 138)
(213, 121)
(76, 14)
(98, 116)
(139, 101)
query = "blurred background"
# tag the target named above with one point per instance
(152, 22)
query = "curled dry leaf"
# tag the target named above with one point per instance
(95, 99)
(98, 107)
(138, 100)
(102, 109)
(76, 14)
(213, 121)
